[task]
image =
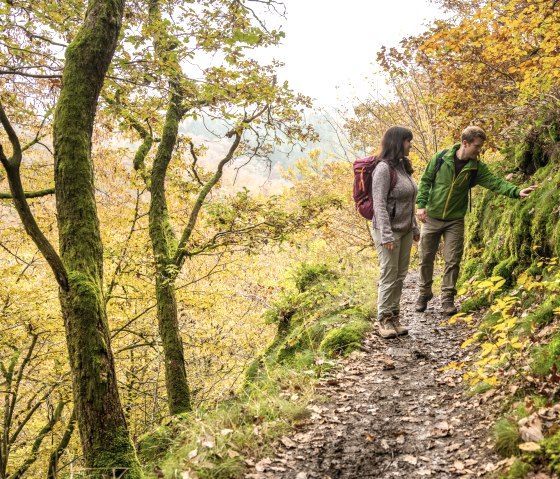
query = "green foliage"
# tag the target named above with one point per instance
(518, 470)
(154, 444)
(505, 269)
(471, 268)
(315, 324)
(545, 312)
(308, 275)
(506, 436)
(475, 303)
(342, 341)
(552, 450)
(547, 356)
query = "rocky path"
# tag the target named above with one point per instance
(389, 412)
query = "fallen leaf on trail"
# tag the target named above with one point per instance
(441, 429)
(388, 364)
(316, 409)
(458, 465)
(233, 454)
(301, 475)
(225, 432)
(384, 444)
(529, 446)
(400, 440)
(532, 432)
(343, 409)
(424, 472)
(193, 454)
(262, 464)
(505, 463)
(370, 438)
(288, 442)
(453, 447)
(410, 459)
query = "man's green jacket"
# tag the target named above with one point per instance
(446, 196)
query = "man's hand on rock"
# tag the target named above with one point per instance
(527, 191)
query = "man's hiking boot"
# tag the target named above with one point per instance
(399, 328)
(422, 303)
(386, 328)
(448, 307)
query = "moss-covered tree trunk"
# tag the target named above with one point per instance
(164, 246)
(104, 435)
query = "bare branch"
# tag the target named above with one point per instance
(12, 167)
(28, 194)
(181, 253)
(28, 75)
(193, 167)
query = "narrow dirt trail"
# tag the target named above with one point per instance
(390, 413)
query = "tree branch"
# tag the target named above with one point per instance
(37, 443)
(4, 195)
(62, 445)
(12, 167)
(181, 251)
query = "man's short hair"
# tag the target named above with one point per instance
(471, 132)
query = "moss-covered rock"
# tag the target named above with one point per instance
(475, 303)
(506, 269)
(342, 341)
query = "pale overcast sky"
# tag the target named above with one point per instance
(330, 46)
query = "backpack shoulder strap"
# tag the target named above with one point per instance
(474, 174)
(392, 175)
(439, 161)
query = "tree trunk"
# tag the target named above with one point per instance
(104, 434)
(164, 246)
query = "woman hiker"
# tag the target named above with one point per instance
(394, 225)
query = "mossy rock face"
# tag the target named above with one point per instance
(505, 270)
(470, 269)
(504, 236)
(342, 341)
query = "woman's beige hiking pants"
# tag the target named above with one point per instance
(393, 266)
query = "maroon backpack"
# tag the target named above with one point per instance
(363, 176)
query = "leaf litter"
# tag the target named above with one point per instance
(391, 411)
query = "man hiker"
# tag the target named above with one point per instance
(442, 201)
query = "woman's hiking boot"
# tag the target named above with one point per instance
(399, 328)
(448, 306)
(386, 327)
(422, 303)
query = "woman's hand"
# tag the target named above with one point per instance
(390, 246)
(421, 214)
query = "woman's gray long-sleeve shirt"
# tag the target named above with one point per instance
(394, 211)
